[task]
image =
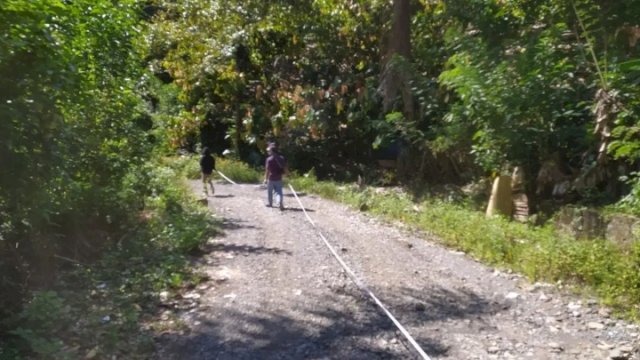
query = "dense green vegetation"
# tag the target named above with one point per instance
(113, 306)
(73, 141)
(491, 85)
(81, 188)
(94, 95)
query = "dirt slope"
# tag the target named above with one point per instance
(277, 293)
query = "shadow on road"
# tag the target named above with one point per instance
(235, 224)
(243, 249)
(438, 304)
(343, 325)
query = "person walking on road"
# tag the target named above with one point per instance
(207, 165)
(275, 167)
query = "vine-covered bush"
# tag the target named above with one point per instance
(73, 134)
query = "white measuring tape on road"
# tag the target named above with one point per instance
(353, 276)
(361, 285)
(226, 178)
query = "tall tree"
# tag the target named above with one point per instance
(395, 76)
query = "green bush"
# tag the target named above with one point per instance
(309, 182)
(99, 308)
(75, 143)
(238, 171)
(39, 321)
(180, 222)
(188, 166)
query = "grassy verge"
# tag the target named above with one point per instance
(538, 252)
(235, 170)
(111, 308)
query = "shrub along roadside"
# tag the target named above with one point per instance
(238, 171)
(111, 307)
(538, 252)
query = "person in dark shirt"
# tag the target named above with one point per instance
(207, 165)
(274, 168)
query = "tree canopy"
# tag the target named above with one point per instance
(494, 84)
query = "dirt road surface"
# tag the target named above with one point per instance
(276, 292)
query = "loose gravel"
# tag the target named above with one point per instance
(276, 292)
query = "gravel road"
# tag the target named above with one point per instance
(276, 292)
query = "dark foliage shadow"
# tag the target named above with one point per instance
(235, 224)
(348, 326)
(223, 196)
(231, 224)
(437, 304)
(243, 249)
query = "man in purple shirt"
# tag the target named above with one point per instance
(274, 168)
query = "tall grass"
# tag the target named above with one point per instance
(238, 171)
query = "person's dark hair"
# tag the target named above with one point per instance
(206, 151)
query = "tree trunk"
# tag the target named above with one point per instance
(395, 79)
(401, 29)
